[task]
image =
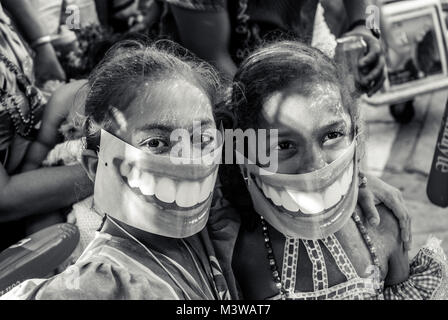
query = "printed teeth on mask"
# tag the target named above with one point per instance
(185, 194)
(310, 203)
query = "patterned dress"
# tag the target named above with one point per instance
(427, 280)
(12, 47)
(13, 145)
(354, 288)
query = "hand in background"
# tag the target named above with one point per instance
(371, 66)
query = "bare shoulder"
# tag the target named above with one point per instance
(389, 228)
(388, 238)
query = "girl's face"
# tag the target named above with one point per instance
(312, 130)
(138, 182)
(314, 190)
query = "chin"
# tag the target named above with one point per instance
(312, 214)
(164, 203)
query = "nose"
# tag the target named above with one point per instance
(313, 159)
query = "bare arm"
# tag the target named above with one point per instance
(389, 234)
(356, 9)
(57, 110)
(22, 11)
(371, 66)
(41, 191)
(46, 62)
(46, 139)
(207, 34)
(398, 267)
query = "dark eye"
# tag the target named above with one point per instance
(156, 145)
(332, 137)
(206, 140)
(284, 146)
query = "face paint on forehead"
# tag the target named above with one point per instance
(328, 96)
(323, 99)
(325, 95)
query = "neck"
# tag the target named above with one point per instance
(147, 238)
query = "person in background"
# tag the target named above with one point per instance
(225, 32)
(47, 66)
(21, 106)
(129, 15)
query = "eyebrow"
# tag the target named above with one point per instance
(329, 125)
(155, 126)
(170, 128)
(333, 124)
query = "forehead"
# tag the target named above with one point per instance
(175, 103)
(289, 108)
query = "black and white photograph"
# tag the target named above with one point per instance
(199, 151)
(415, 47)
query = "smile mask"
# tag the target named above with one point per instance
(308, 206)
(151, 192)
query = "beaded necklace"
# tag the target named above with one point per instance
(273, 262)
(23, 120)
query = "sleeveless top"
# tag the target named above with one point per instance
(354, 288)
(428, 270)
(428, 273)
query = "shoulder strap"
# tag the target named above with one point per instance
(340, 257)
(290, 261)
(317, 259)
(320, 275)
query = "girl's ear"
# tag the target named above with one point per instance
(89, 161)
